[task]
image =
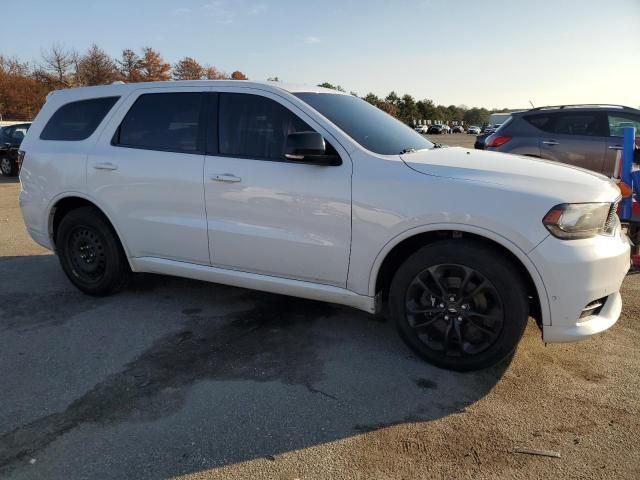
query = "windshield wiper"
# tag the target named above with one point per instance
(407, 150)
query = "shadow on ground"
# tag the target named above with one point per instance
(174, 376)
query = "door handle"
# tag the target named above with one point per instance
(550, 142)
(105, 166)
(616, 147)
(225, 177)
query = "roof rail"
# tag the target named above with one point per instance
(583, 105)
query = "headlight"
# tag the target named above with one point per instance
(571, 221)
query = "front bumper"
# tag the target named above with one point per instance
(575, 274)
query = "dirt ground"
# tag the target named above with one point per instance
(177, 378)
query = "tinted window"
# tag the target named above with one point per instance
(77, 120)
(255, 126)
(543, 122)
(369, 126)
(19, 132)
(163, 121)
(578, 124)
(619, 121)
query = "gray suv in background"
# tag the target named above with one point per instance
(587, 136)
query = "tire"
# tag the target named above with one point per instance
(8, 167)
(479, 318)
(91, 254)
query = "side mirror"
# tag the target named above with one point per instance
(309, 147)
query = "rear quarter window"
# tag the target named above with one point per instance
(77, 120)
(541, 122)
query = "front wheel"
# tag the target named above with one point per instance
(459, 304)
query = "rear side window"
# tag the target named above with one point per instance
(254, 126)
(77, 120)
(585, 124)
(542, 122)
(163, 121)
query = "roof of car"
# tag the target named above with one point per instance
(584, 106)
(118, 88)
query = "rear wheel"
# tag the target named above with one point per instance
(459, 305)
(90, 253)
(7, 166)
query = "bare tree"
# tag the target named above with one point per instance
(59, 62)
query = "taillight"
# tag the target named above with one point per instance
(498, 140)
(20, 159)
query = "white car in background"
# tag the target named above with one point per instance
(313, 193)
(422, 129)
(474, 130)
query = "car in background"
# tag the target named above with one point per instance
(457, 129)
(436, 130)
(480, 141)
(587, 136)
(473, 129)
(422, 129)
(10, 140)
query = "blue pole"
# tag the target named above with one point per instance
(627, 163)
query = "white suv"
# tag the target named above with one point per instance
(314, 193)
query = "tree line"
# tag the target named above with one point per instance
(25, 85)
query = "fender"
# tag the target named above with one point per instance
(482, 232)
(88, 198)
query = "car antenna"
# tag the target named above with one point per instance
(532, 105)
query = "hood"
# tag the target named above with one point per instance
(514, 172)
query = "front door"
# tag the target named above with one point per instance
(267, 214)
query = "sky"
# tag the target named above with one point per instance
(491, 53)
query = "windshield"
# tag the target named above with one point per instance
(368, 125)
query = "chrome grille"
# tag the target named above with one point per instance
(612, 219)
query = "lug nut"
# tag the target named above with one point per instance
(452, 298)
(459, 319)
(446, 317)
(441, 305)
(465, 306)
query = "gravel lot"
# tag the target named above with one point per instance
(180, 378)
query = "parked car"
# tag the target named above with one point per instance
(310, 192)
(457, 129)
(446, 129)
(10, 139)
(480, 141)
(422, 129)
(473, 130)
(435, 130)
(587, 136)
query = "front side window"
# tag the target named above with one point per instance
(372, 128)
(163, 121)
(619, 121)
(586, 124)
(255, 127)
(77, 120)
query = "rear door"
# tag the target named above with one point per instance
(146, 171)
(617, 122)
(575, 138)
